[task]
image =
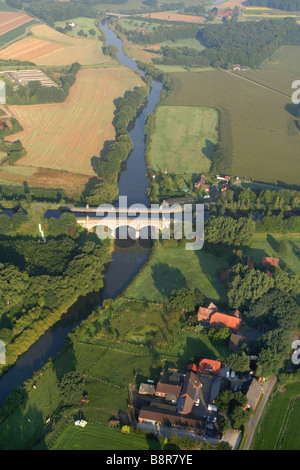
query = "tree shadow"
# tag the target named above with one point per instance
(65, 361)
(167, 278)
(208, 149)
(272, 242)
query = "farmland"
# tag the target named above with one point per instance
(279, 71)
(183, 139)
(11, 20)
(279, 429)
(65, 136)
(170, 16)
(46, 46)
(259, 135)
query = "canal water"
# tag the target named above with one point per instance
(126, 261)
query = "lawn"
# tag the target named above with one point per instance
(184, 138)
(173, 268)
(65, 136)
(279, 428)
(258, 132)
(97, 437)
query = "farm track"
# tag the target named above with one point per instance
(255, 83)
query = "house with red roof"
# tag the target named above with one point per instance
(209, 366)
(270, 261)
(204, 313)
(221, 319)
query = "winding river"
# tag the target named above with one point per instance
(126, 262)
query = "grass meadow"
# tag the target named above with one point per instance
(171, 268)
(257, 129)
(183, 139)
(279, 428)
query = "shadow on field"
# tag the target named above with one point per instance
(167, 278)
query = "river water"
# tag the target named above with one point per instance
(126, 262)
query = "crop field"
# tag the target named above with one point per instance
(257, 129)
(279, 429)
(184, 139)
(47, 46)
(65, 136)
(169, 16)
(279, 71)
(10, 20)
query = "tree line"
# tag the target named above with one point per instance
(245, 43)
(36, 93)
(286, 5)
(108, 166)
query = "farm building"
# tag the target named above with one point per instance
(204, 313)
(168, 389)
(221, 319)
(208, 366)
(156, 415)
(147, 389)
(253, 394)
(189, 393)
(270, 261)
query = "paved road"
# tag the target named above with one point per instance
(251, 426)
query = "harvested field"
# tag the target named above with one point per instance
(258, 132)
(49, 47)
(72, 183)
(10, 20)
(65, 136)
(166, 15)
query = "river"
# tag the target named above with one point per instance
(126, 261)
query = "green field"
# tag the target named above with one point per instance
(258, 132)
(15, 33)
(279, 71)
(173, 268)
(97, 437)
(279, 429)
(5, 7)
(81, 23)
(183, 139)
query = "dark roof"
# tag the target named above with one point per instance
(253, 393)
(170, 418)
(189, 393)
(168, 387)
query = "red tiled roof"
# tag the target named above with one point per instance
(221, 319)
(270, 261)
(192, 367)
(205, 312)
(209, 366)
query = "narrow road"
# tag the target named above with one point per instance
(251, 426)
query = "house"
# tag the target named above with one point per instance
(168, 389)
(201, 183)
(147, 389)
(236, 67)
(221, 319)
(168, 418)
(209, 367)
(254, 393)
(223, 14)
(270, 261)
(189, 393)
(204, 313)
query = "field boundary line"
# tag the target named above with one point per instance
(256, 83)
